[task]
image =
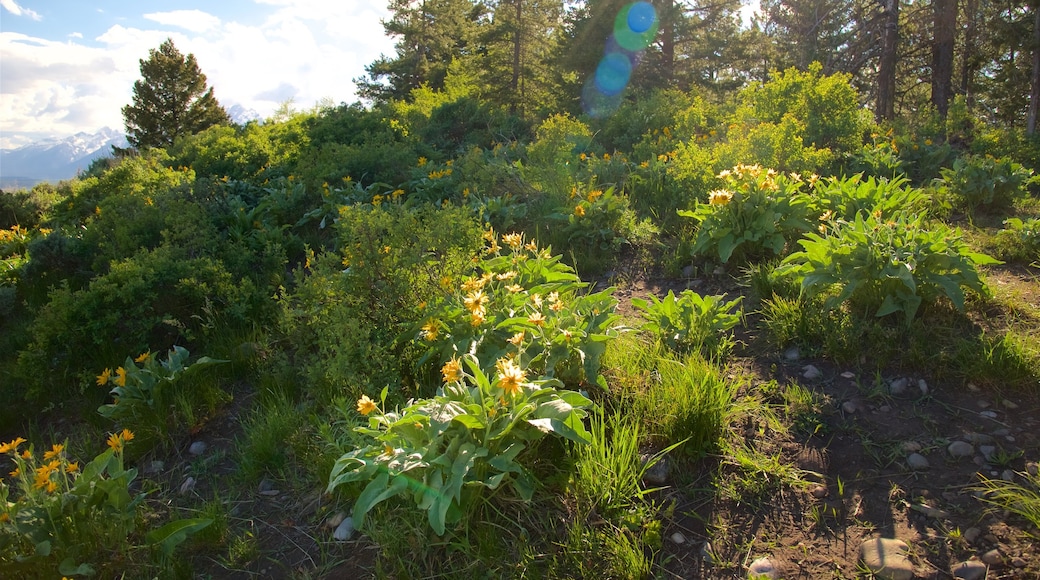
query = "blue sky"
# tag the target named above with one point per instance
(69, 65)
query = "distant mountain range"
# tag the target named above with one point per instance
(57, 159)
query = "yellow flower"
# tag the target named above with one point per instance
(582, 157)
(827, 215)
(120, 379)
(72, 467)
(556, 306)
(553, 297)
(579, 211)
(514, 288)
(55, 451)
(531, 247)
(644, 164)
(720, 197)
(475, 301)
(26, 454)
(144, 357)
(422, 161)
(52, 486)
(606, 157)
(127, 435)
(537, 319)
(17, 471)
(506, 276)
(4, 517)
(927, 141)
(115, 442)
(102, 379)
(12, 445)
(513, 240)
(517, 339)
(813, 179)
(430, 330)
(594, 194)
(452, 371)
(397, 193)
(510, 376)
(477, 318)
(365, 405)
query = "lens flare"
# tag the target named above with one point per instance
(634, 29)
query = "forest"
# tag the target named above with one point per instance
(668, 289)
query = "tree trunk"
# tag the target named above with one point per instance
(886, 97)
(945, 25)
(970, 50)
(666, 16)
(517, 42)
(1034, 94)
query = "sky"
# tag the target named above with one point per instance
(68, 66)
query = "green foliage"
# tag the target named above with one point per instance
(171, 99)
(444, 451)
(598, 224)
(142, 396)
(691, 322)
(552, 156)
(1022, 499)
(27, 208)
(891, 266)
(252, 151)
(846, 197)
(1019, 241)
(758, 212)
(608, 472)
(779, 145)
(976, 181)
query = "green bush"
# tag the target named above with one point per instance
(691, 322)
(976, 181)
(1019, 241)
(846, 197)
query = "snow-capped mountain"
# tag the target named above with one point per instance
(55, 159)
(241, 115)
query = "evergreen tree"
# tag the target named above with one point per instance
(170, 100)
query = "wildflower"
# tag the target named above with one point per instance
(465, 192)
(927, 141)
(720, 197)
(4, 517)
(17, 471)
(55, 451)
(537, 319)
(365, 405)
(72, 467)
(148, 201)
(477, 318)
(582, 157)
(506, 276)
(102, 379)
(822, 229)
(536, 299)
(827, 215)
(452, 371)
(377, 200)
(430, 329)
(517, 339)
(445, 281)
(513, 240)
(594, 194)
(579, 211)
(725, 173)
(475, 301)
(26, 455)
(514, 288)
(813, 179)
(143, 357)
(422, 161)
(115, 442)
(531, 247)
(120, 379)
(12, 445)
(510, 376)
(553, 297)
(127, 435)
(52, 486)
(606, 157)
(556, 306)
(644, 164)
(397, 193)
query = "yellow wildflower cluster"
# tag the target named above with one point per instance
(117, 441)
(430, 330)
(440, 173)
(579, 211)
(514, 240)
(12, 446)
(12, 234)
(594, 195)
(452, 371)
(720, 197)
(510, 376)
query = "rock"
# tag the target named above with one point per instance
(970, 570)
(923, 387)
(990, 538)
(884, 409)
(188, 485)
(898, 386)
(973, 388)
(848, 375)
(270, 492)
(811, 373)
(988, 414)
(265, 485)
(987, 451)
(658, 473)
(707, 554)
(929, 511)
(886, 558)
(972, 534)
(978, 438)
(336, 519)
(911, 447)
(1007, 475)
(961, 449)
(1002, 432)
(983, 404)
(1032, 468)
(689, 271)
(197, 448)
(153, 467)
(992, 557)
(678, 538)
(762, 569)
(917, 462)
(1019, 562)
(344, 531)
(849, 407)
(820, 492)
(792, 354)
(1009, 405)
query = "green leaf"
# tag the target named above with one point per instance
(172, 534)
(68, 567)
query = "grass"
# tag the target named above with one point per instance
(1022, 498)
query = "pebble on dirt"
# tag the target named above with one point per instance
(886, 558)
(970, 570)
(762, 569)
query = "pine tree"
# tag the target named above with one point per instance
(171, 99)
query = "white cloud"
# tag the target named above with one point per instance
(193, 20)
(13, 7)
(76, 35)
(307, 49)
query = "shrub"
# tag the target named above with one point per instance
(691, 322)
(844, 198)
(887, 266)
(976, 181)
(1019, 241)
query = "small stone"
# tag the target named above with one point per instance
(886, 558)
(961, 449)
(1010, 405)
(706, 554)
(970, 570)
(922, 386)
(762, 569)
(990, 538)
(811, 373)
(992, 557)
(1002, 432)
(335, 519)
(849, 407)
(658, 473)
(820, 492)
(898, 386)
(978, 438)
(973, 388)
(988, 414)
(265, 485)
(987, 451)
(792, 354)
(983, 404)
(345, 530)
(972, 534)
(153, 467)
(917, 462)
(1009, 439)
(980, 461)
(270, 492)
(188, 485)
(929, 511)
(197, 448)
(678, 538)
(1032, 468)
(884, 409)
(1019, 562)
(911, 447)
(1007, 475)
(848, 375)
(689, 271)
